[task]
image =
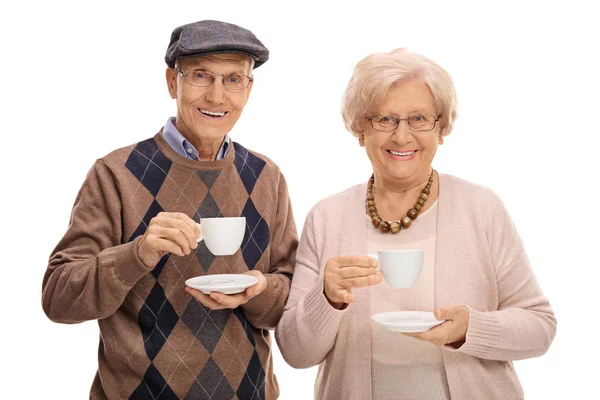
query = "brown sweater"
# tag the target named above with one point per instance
(156, 341)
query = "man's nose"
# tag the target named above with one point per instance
(215, 91)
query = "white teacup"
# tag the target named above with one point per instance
(400, 268)
(223, 236)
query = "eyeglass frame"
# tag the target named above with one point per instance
(214, 78)
(398, 123)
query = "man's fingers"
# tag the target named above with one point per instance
(174, 235)
(250, 292)
(230, 300)
(168, 246)
(206, 300)
(185, 224)
(356, 261)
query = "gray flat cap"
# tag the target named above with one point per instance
(210, 37)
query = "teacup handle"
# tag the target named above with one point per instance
(198, 240)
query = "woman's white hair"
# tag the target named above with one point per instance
(376, 73)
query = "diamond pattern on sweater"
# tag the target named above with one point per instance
(256, 238)
(205, 324)
(253, 386)
(159, 266)
(152, 212)
(242, 318)
(211, 383)
(149, 165)
(204, 256)
(209, 208)
(233, 341)
(153, 386)
(194, 352)
(248, 166)
(156, 318)
(208, 177)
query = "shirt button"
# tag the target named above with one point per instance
(189, 150)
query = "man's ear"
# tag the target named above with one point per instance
(171, 76)
(361, 140)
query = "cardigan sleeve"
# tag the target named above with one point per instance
(265, 310)
(90, 271)
(309, 326)
(524, 324)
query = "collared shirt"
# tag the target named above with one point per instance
(184, 148)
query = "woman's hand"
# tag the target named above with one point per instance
(344, 273)
(452, 332)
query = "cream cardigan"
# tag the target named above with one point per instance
(480, 262)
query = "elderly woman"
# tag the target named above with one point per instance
(475, 275)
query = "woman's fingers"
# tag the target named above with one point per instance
(362, 281)
(355, 261)
(354, 272)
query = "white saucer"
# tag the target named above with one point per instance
(222, 283)
(406, 321)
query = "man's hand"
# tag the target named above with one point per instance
(219, 301)
(452, 332)
(168, 232)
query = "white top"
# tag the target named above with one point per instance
(404, 367)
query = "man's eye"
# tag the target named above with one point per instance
(385, 120)
(234, 79)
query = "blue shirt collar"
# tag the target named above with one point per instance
(184, 148)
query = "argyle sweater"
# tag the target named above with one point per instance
(157, 341)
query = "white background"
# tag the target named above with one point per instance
(80, 79)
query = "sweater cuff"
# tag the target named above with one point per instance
(482, 336)
(128, 265)
(319, 314)
(265, 300)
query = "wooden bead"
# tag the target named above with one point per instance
(384, 226)
(412, 214)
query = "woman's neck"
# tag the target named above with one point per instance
(393, 199)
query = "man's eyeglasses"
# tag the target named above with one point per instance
(202, 78)
(416, 122)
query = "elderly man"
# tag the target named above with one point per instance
(132, 240)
